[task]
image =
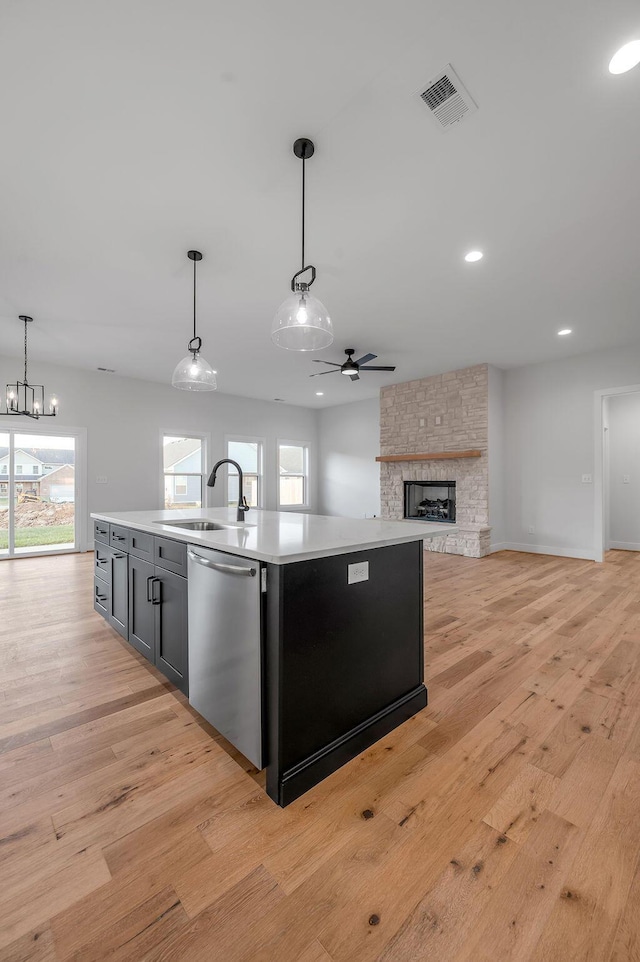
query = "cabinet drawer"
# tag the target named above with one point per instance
(101, 531)
(101, 591)
(141, 545)
(119, 537)
(171, 555)
(102, 562)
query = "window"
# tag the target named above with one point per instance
(35, 469)
(3, 469)
(293, 481)
(248, 453)
(183, 462)
(18, 469)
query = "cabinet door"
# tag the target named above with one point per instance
(141, 609)
(101, 597)
(171, 627)
(119, 601)
(102, 562)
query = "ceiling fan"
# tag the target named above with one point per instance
(351, 368)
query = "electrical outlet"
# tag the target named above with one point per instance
(357, 572)
(626, 478)
(532, 529)
(438, 419)
(587, 479)
(101, 479)
(421, 422)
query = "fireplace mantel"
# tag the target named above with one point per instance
(435, 456)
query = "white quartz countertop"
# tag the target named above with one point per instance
(279, 537)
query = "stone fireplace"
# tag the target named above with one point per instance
(424, 424)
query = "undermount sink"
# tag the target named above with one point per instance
(199, 524)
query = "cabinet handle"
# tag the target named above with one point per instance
(154, 600)
(100, 597)
(117, 537)
(101, 561)
(149, 580)
(119, 556)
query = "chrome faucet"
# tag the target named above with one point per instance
(242, 501)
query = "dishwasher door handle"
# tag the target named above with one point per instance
(226, 569)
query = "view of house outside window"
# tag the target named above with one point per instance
(292, 474)
(183, 467)
(248, 454)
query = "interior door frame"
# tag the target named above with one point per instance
(599, 486)
(80, 484)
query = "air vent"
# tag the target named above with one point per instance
(447, 98)
(109, 370)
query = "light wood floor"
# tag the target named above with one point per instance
(501, 823)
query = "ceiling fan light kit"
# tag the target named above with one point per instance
(302, 322)
(351, 368)
(193, 372)
(28, 399)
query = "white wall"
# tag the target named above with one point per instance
(623, 529)
(125, 418)
(348, 443)
(550, 444)
(497, 467)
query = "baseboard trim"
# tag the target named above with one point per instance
(624, 545)
(314, 769)
(584, 554)
(501, 546)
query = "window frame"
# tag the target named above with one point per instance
(205, 441)
(306, 476)
(261, 442)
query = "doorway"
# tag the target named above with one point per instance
(617, 470)
(41, 480)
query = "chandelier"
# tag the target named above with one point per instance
(28, 399)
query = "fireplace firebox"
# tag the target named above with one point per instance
(430, 500)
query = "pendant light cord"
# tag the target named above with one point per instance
(303, 193)
(194, 299)
(25, 353)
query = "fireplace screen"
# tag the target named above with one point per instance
(430, 500)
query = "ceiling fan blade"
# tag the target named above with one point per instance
(354, 377)
(320, 373)
(365, 358)
(377, 368)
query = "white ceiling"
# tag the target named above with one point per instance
(134, 131)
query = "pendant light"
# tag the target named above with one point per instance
(193, 373)
(302, 322)
(28, 399)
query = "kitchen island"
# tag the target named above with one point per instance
(305, 649)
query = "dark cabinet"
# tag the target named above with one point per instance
(158, 619)
(141, 614)
(169, 601)
(140, 589)
(119, 599)
(101, 531)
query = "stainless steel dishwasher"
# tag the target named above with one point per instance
(225, 658)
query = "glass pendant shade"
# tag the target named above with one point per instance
(193, 373)
(302, 323)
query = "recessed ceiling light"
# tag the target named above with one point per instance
(319, 393)
(473, 256)
(564, 332)
(625, 58)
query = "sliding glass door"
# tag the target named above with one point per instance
(38, 493)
